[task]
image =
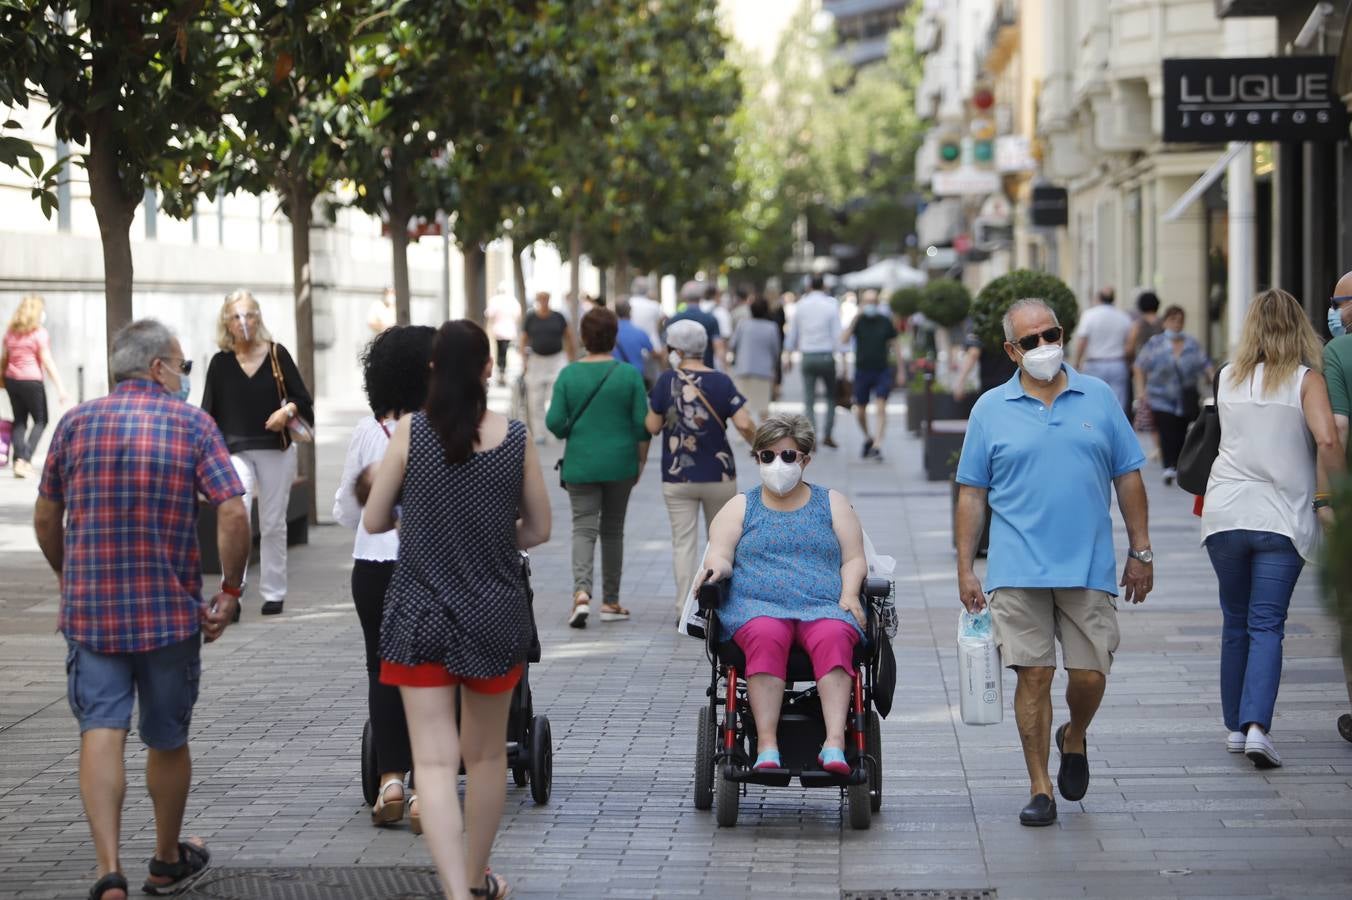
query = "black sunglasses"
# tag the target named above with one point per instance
(184, 365)
(1336, 302)
(768, 456)
(1031, 341)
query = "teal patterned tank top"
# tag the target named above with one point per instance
(786, 565)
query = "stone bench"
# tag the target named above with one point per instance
(297, 526)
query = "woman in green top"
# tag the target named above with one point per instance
(598, 407)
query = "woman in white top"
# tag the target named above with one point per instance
(394, 370)
(1262, 517)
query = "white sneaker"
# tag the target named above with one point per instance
(1258, 748)
(1170, 475)
(1234, 742)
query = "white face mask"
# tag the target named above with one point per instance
(674, 359)
(781, 477)
(1044, 362)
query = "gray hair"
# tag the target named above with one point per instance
(137, 345)
(687, 336)
(639, 287)
(1025, 303)
(776, 428)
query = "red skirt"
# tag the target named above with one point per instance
(435, 675)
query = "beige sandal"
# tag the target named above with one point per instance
(414, 816)
(387, 811)
(613, 612)
(581, 610)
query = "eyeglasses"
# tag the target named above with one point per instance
(184, 366)
(789, 456)
(1031, 341)
(1336, 302)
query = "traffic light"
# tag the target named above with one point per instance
(950, 151)
(983, 151)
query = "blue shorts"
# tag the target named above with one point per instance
(100, 688)
(873, 384)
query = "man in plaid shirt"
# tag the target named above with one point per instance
(116, 517)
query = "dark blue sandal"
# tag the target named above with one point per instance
(113, 881)
(193, 862)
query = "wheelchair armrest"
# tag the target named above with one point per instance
(877, 588)
(711, 594)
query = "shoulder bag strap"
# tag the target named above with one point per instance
(281, 388)
(573, 419)
(690, 380)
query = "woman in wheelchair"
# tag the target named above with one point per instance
(794, 552)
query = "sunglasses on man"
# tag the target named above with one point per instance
(789, 456)
(184, 366)
(1032, 341)
(1336, 302)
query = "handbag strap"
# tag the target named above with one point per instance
(281, 387)
(573, 419)
(689, 380)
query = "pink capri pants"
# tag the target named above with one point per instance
(766, 641)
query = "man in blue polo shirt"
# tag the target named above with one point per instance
(1045, 451)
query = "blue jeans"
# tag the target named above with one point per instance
(1257, 572)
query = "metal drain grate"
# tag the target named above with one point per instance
(319, 883)
(921, 894)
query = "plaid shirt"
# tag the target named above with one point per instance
(128, 468)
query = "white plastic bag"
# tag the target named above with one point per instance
(979, 686)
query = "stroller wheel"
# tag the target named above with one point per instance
(520, 776)
(706, 736)
(541, 760)
(370, 778)
(875, 770)
(725, 805)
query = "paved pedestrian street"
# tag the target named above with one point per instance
(277, 731)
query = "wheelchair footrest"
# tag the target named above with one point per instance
(766, 777)
(819, 778)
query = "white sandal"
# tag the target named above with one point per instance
(387, 812)
(581, 610)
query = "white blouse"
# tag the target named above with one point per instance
(367, 447)
(1264, 476)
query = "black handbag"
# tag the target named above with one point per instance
(1201, 446)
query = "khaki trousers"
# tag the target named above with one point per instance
(541, 373)
(684, 502)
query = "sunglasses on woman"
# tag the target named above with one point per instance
(789, 456)
(1032, 341)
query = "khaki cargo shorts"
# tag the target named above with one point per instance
(1028, 621)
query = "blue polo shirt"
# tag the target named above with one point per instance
(1050, 475)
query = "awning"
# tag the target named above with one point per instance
(1201, 185)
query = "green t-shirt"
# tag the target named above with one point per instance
(602, 445)
(1338, 373)
(873, 336)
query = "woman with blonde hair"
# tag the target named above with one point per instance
(254, 392)
(25, 354)
(1265, 501)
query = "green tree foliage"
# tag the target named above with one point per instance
(998, 295)
(905, 301)
(139, 84)
(945, 302)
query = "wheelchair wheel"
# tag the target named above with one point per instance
(520, 776)
(370, 778)
(725, 806)
(541, 760)
(706, 736)
(874, 742)
(861, 810)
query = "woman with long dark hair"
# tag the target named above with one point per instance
(394, 370)
(469, 493)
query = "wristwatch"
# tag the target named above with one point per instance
(1146, 556)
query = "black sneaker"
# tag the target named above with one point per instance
(272, 607)
(868, 448)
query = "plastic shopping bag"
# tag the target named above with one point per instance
(692, 621)
(979, 670)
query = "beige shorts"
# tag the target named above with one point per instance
(1028, 621)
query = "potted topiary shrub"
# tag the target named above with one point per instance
(945, 302)
(991, 303)
(906, 301)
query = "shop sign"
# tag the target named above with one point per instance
(964, 182)
(1287, 98)
(1014, 154)
(1049, 207)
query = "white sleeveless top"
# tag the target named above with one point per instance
(1263, 478)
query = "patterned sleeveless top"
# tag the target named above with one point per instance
(786, 565)
(458, 594)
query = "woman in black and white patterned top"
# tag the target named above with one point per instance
(469, 495)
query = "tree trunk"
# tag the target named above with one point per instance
(400, 210)
(623, 277)
(475, 301)
(575, 273)
(519, 276)
(299, 203)
(115, 213)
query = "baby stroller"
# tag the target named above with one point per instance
(530, 750)
(725, 750)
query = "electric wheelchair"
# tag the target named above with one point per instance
(726, 748)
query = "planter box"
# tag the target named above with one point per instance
(297, 526)
(940, 406)
(943, 444)
(983, 546)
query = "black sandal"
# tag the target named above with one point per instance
(193, 862)
(113, 881)
(493, 889)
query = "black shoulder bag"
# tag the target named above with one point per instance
(1202, 445)
(573, 419)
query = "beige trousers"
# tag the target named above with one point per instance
(684, 502)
